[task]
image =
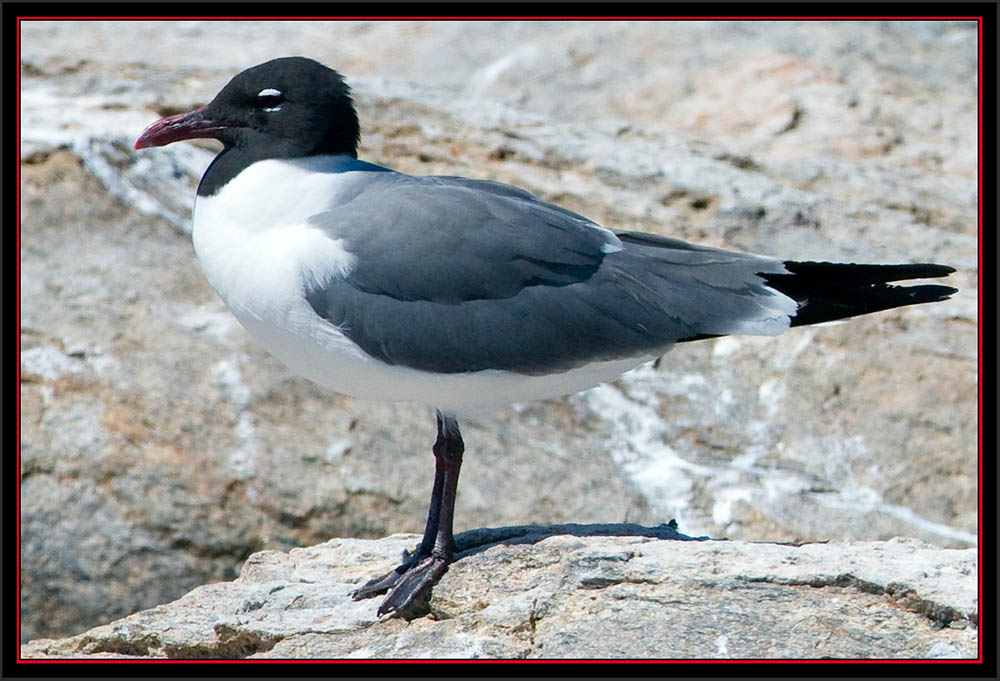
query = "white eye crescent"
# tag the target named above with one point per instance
(270, 99)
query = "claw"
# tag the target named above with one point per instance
(381, 584)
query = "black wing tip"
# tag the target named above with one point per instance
(925, 270)
(944, 270)
(872, 274)
(828, 291)
(932, 293)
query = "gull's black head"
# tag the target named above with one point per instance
(285, 108)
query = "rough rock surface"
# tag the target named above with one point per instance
(567, 592)
(160, 448)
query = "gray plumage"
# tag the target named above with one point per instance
(485, 276)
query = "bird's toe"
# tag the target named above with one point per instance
(414, 584)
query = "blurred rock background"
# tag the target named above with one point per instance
(159, 447)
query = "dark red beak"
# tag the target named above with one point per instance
(185, 126)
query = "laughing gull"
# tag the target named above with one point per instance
(461, 294)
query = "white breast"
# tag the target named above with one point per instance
(260, 253)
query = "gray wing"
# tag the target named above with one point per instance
(456, 275)
(451, 240)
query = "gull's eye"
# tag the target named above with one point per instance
(270, 100)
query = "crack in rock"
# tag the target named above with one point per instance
(901, 595)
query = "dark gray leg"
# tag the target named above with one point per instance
(437, 549)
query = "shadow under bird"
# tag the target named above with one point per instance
(461, 294)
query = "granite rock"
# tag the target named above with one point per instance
(581, 592)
